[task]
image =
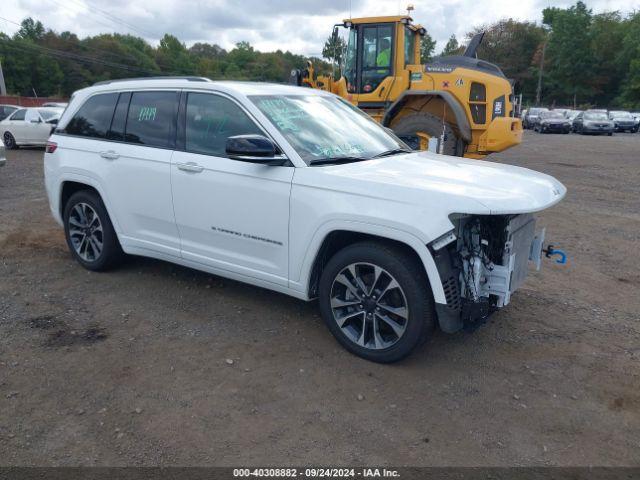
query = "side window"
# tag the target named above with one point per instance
(409, 46)
(19, 115)
(376, 56)
(116, 132)
(211, 119)
(94, 117)
(32, 116)
(152, 119)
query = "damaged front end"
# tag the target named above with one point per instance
(482, 262)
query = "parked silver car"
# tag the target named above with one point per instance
(593, 121)
(624, 121)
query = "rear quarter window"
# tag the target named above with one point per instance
(94, 117)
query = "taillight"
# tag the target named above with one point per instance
(51, 147)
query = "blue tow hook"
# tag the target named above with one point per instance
(551, 252)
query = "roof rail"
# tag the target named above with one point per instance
(168, 77)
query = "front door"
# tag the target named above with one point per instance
(36, 130)
(231, 215)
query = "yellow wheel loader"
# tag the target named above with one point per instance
(456, 105)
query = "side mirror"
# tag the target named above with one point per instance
(53, 121)
(253, 149)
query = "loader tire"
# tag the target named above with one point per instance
(406, 128)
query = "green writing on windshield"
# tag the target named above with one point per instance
(284, 113)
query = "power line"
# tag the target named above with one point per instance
(110, 17)
(128, 57)
(80, 58)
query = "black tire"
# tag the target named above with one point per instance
(111, 253)
(610, 134)
(421, 317)
(406, 128)
(9, 141)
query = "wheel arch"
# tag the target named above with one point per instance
(462, 122)
(330, 241)
(75, 183)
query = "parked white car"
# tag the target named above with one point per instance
(6, 110)
(3, 157)
(297, 191)
(29, 126)
(55, 104)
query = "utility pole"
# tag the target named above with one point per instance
(540, 72)
(3, 86)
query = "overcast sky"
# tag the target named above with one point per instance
(295, 25)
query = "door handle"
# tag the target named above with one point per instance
(110, 155)
(190, 167)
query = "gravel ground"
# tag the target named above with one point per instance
(155, 364)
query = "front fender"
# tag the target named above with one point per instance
(371, 229)
(461, 117)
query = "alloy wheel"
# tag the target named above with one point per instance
(9, 141)
(85, 231)
(369, 306)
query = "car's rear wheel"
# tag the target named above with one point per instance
(376, 302)
(90, 235)
(9, 141)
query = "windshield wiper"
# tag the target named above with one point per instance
(394, 151)
(336, 160)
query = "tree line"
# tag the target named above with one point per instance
(578, 58)
(39, 61)
(574, 57)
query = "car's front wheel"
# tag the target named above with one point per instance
(9, 141)
(89, 232)
(376, 301)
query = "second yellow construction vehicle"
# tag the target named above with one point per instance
(457, 105)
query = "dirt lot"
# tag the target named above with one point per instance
(130, 367)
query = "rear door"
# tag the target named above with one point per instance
(124, 141)
(232, 215)
(138, 177)
(17, 125)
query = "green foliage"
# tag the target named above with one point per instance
(512, 45)
(334, 49)
(56, 64)
(427, 47)
(588, 60)
(452, 47)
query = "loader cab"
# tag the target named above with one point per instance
(377, 53)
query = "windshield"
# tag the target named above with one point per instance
(552, 115)
(620, 115)
(326, 128)
(595, 116)
(537, 111)
(48, 114)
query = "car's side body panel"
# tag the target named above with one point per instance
(264, 225)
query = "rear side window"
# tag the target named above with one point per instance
(211, 119)
(152, 119)
(94, 117)
(6, 111)
(19, 115)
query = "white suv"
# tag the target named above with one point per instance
(297, 191)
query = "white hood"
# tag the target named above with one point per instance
(463, 185)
